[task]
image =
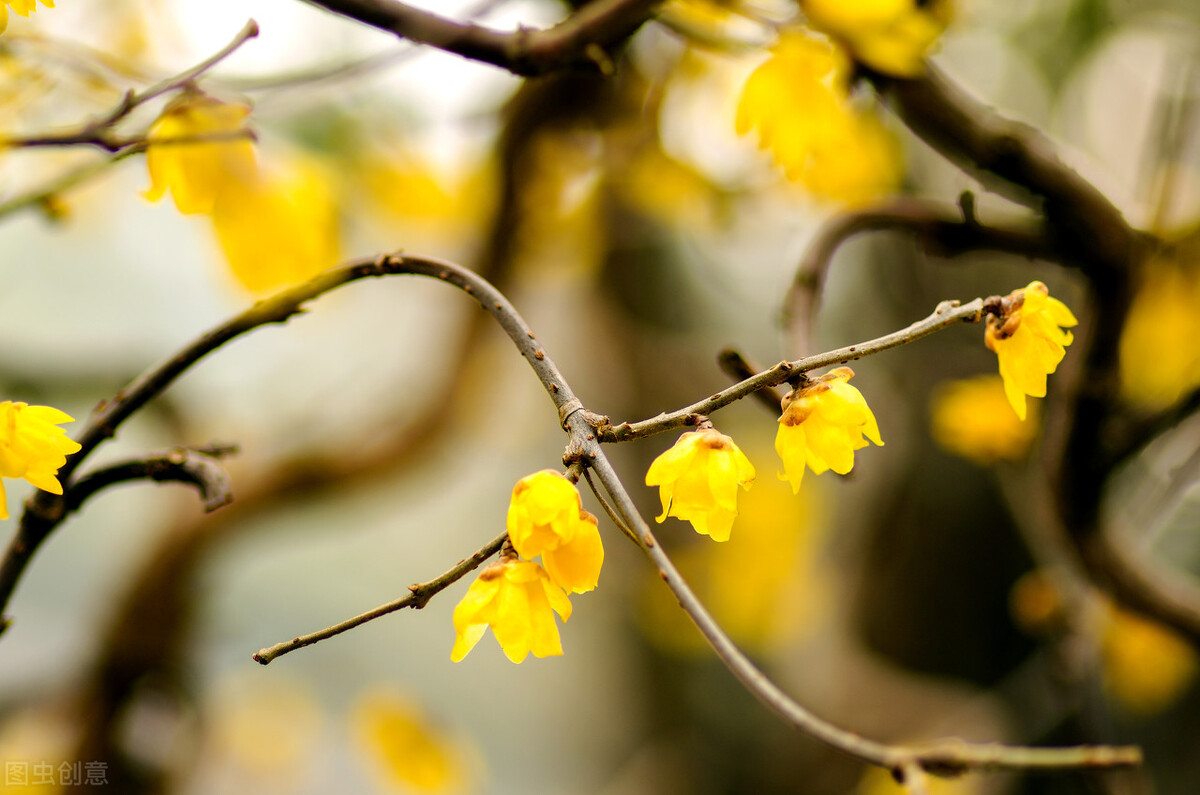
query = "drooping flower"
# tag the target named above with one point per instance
(970, 418)
(196, 173)
(22, 7)
(890, 36)
(823, 423)
(32, 446)
(698, 481)
(799, 102)
(1028, 341)
(545, 518)
(517, 600)
(277, 228)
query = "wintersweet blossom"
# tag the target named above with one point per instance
(410, 750)
(823, 423)
(517, 600)
(799, 102)
(698, 481)
(890, 36)
(22, 7)
(196, 173)
(1028, 341)
(32, 446)
(545, 518)
(970, 418)
(278, 226)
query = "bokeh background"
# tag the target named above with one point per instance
(381, 433)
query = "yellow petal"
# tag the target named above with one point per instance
(575, 566)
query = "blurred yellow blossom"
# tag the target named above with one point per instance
(1160, 360)
(1036, 603)
(823, 423)
(970, 418)
(765, 586)
(698, 481)
(269, 729)
(278, 229)
(414, 754)
(22, 7)
(545, 518)
(1028, 341)
(196, 173)
(517, 600)
(1147, 666)
(32, 446)
(799, 102)
(890, 36)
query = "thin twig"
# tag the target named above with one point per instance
(936, 229)
(197, 467)
(947, 313)
(99, 132)
(611, 512)
(418, 596)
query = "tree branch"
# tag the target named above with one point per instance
(936, 229)
(947, 313)
(581, 41)
(196, 467)
(419, 596)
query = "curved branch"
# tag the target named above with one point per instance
(936, 229)
(197, 468)
(581, 41)
(45, 511)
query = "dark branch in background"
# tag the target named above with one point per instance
(935, 228)
(1093, 237)
(419, 596)
(734, 365)
(581, 41)
(196, 467)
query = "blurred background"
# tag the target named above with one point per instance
(381, 433)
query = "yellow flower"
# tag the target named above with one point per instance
(412, 751)
(196, 173)
(32, 446)
(1163, 319)
(698, 479)
(823, 423)
(277, 230)
(517, 600)
(799, 102)
(1028, 341)
(970, 419)
(890, 36)
(22, 7)
(544, 518)
(1147, 667)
